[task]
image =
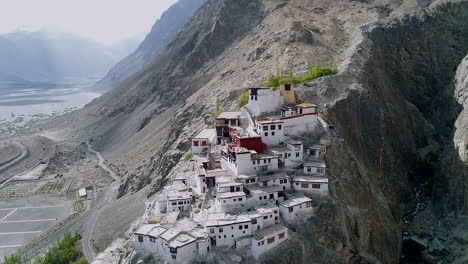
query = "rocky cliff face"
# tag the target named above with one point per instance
(161, 34)
(393, 104)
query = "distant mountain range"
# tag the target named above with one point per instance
(49, 55)
(162, 33)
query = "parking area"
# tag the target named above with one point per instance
(20, 225)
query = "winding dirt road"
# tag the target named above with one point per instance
(23, 155)
(102, 203)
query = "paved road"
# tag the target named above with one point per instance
(23, 155)
(103, 202)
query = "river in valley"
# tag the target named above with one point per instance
(21, 102)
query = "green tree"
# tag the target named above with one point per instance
(290, 73)
(243, 100)
(13, 259)
(218, 107)
(65, 251)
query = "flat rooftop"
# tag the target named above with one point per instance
(181, 240)
(319, 164)
(294, 201)
(230, 195)
(293, 142)
(179, 195)
(145, 229)
(218, 173)
(157, 231)
(262, 190)
(274, 176)
(312, 179)
(206, 133)
(306, 105)
(271, 230)
(229, 115)
(221, 219)
(268, 121)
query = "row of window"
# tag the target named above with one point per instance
(197, 143)
(221, 229)
(286, 155)
(307, 205)
(319, 170)
(250, 180)
(234, 200)
(271, 127)
(306, 185)
(271, 239)
(264, 161)
(181, 202)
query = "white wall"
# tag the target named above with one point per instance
(266, 101)
(185, 204)
(200, 149)
(229, 205)
(314, 170)
(272, 137)
(200, 184)
(264, 246)
(322, 191)
(299, 125)
(232, 232)
(184, 254)
(277, 182)
(299, 212)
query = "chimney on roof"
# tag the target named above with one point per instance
(211, 160)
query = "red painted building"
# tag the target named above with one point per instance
(250, 142)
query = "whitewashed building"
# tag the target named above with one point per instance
(242, 161)
(182, 243)
(275, 179)
(265, 239)
(247, 180)
(179, 201)
(264, 100)
(225, 230)
(317, 168)
(296, 208)
(311, 184)
(271, 131)
(142, 241)
(203, 141)
(314, 151)
(230, 202)
(259, 196)
(228, 184)
(291, 155)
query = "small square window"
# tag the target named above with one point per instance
(266, 134)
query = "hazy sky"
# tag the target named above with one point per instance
(106, 21)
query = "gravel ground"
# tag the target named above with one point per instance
(8, 151)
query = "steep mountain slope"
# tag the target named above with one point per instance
(392, 105)
(51, 55)
(162, 32)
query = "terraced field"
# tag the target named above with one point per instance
(51, 187)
